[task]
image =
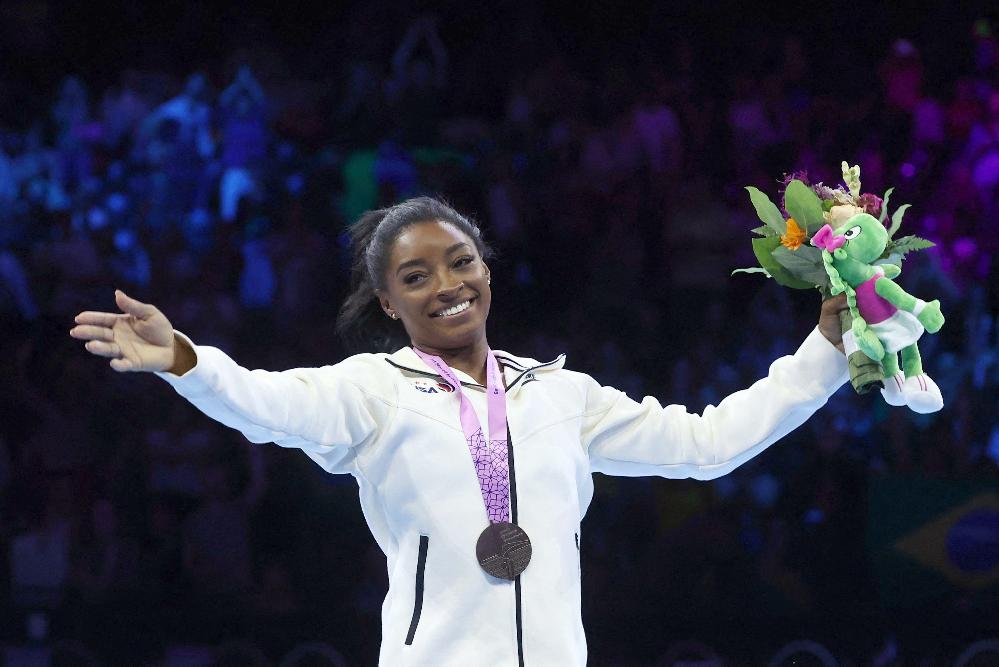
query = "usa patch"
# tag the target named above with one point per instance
(426, 386)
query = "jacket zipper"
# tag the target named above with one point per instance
(513, 519)
(431, 375)
(579, 562)
(529, 370)
(421, 565)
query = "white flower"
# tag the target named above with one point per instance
(840, 213)
(851, 176)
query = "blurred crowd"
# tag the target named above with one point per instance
(613, 191)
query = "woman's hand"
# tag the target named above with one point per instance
(138, 339)
(829, 322)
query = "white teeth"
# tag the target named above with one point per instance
(454, 310)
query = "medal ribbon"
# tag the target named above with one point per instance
(492, 463)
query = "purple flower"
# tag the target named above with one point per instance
(794, 176)
(871, 203)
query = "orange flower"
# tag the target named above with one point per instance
(794, 237)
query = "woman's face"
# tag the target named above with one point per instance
(438, 285)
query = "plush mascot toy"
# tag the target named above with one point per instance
(886, 319)
(836, 240)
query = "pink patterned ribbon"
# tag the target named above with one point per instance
(492, 464)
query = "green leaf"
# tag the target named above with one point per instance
(907, 244)
(764, 249)
(896, 219)
(754, 269)
(803, 205)
(889, 257)
(884, 205)
(865, 373)
(767, 211)
(764, 231)
(805, 264)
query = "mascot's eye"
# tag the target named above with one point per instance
(852, 233)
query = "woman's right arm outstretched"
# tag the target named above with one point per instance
(324, 411)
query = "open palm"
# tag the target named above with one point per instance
(140, 338)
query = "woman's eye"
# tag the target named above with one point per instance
(852, 233)
(412, 278)
(462, 261)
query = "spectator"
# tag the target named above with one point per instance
(216, 536)
(242, 108)
(415, 86)
(106, 562)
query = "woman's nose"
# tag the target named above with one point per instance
(448, 293)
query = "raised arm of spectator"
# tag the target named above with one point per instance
(243, 83)
(438, 52)
(403, 52)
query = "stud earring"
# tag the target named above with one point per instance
(393, 316)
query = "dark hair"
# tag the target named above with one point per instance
(362, 324)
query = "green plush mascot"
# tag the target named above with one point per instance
(886, 319)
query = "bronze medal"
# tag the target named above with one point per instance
(503, 550)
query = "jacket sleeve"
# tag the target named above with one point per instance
(322, 411)
(624, 437)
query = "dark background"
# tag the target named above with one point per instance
(133, 530)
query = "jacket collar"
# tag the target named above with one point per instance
(515, 369)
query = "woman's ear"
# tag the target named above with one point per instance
(485, 268)
(384, 303)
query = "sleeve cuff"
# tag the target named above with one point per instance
(194, 381)
(822, 363)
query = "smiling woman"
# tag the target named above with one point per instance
(438, 285)
(483, 568)
(420, 249)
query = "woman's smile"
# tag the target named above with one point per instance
(455, 311)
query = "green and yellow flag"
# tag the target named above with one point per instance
(930, 538)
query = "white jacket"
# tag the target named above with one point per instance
(383, 419)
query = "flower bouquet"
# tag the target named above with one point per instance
(789, 246)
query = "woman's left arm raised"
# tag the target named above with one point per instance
(625, 437)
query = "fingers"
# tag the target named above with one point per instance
(835, 303)
(102, 349)
(121, 365)
(133, 307)
(97, 318)
(92, 332)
